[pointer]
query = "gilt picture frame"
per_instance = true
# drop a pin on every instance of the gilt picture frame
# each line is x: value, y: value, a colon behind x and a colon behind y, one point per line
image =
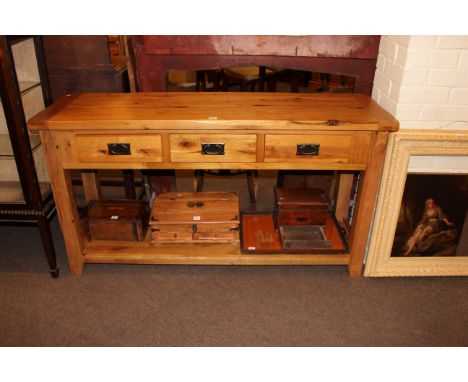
x: 405, y: 147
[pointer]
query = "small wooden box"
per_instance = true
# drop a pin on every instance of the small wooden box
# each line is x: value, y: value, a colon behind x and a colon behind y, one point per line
x: 118, y: 219
x: 195, y: 217
x: 301, y: 206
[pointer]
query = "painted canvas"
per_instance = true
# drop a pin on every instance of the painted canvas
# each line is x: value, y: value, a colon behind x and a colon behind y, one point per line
x: 433, y: 217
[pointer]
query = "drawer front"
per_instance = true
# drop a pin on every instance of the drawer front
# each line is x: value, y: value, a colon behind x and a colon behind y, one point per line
x: 227, y: 148
x: 331, y: 148
x: 172, y: 233
x: 116, y: 230
x: 217, y: 233
x: 291, y: 217
x: 121, y: 148
x: 195, y: 233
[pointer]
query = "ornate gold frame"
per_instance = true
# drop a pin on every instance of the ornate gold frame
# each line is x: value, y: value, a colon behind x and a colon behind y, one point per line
x: 403, y: 145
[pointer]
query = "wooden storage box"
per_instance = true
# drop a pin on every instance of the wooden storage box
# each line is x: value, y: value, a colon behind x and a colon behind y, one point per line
x: 301, y: 206
x: 118, y: 219
x: 195, y: 217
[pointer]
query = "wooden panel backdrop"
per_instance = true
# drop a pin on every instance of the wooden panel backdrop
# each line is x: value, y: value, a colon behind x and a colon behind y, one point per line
x: 153, y: 56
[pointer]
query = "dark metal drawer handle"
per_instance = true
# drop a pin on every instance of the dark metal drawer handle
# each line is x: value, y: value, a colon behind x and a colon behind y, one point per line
x: 119, y: 148
x: 308, y: 149
x: 212, y: 148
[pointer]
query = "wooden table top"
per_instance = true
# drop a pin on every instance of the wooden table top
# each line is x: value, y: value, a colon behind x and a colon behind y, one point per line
x: 220, y: 110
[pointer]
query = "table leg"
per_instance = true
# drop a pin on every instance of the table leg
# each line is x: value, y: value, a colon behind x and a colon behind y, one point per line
x: 367, y: 196
x: 64, y: 197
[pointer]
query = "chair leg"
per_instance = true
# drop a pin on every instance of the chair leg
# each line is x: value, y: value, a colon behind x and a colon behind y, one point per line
x: 271, y: 85
x: 217, y: 82
x: 280, y: 178
x: 200, y: 81
x: 261, y: 78
x: 252, y: 187
x: 129, y: 182
x: 48, y: 244
x: 294, y: 81
x: 325, y: 78
x: 198, y: 178
x: 243, y: 86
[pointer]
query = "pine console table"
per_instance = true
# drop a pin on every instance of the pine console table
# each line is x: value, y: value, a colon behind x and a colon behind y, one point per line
x: 166, y: 131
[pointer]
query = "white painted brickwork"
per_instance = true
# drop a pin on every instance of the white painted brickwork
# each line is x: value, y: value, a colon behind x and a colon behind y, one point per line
x: 423, y: 82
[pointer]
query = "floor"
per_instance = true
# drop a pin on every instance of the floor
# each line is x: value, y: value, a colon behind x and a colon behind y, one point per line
x: 130, y: 305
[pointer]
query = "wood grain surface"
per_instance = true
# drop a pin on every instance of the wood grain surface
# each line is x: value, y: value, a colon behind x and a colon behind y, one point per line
x: 127, y: 111
x: 195, y: 208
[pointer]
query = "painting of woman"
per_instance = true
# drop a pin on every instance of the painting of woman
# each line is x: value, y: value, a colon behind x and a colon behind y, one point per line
x: 433, y: 221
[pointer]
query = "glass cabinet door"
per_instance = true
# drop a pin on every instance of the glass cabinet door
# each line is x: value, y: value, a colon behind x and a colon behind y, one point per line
x: 32, y: 99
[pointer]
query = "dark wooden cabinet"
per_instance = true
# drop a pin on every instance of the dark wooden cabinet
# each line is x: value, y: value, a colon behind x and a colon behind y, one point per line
x: 25, y: 193
x: 84, y: 64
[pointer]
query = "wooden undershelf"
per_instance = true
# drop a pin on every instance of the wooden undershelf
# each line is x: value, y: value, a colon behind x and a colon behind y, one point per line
x: 202, y: 254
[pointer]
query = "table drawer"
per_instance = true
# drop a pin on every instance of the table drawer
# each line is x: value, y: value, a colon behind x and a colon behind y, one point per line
x: 213, y: 148
x: 121, y: 148
x: 331, y: 148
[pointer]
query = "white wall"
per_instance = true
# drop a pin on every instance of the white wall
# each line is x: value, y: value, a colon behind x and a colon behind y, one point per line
x: 423, y: 82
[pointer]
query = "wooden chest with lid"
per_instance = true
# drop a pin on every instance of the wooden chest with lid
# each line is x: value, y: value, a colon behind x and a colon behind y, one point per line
x: 118, y: 219
x: 301, y: 206
x: 195, y: 217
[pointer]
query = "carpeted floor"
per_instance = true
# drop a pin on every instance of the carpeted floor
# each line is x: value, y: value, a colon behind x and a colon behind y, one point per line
x: 129, y: 305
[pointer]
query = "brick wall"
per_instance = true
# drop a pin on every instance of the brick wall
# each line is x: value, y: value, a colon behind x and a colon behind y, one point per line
x: 423, y: 82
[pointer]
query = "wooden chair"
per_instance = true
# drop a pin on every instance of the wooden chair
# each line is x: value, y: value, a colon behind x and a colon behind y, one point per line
x: 246, y: 77
x: 194, y: 80
x: 295, y: 78
x: 181, y: 80
x: 338, y: 83
x: 252, y: 184
x: 208, y: 80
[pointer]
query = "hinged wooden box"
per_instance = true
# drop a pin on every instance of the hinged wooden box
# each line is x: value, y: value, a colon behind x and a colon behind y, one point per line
x: 195, y: 217
x: 301, y: 206
x: 118, y: 219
